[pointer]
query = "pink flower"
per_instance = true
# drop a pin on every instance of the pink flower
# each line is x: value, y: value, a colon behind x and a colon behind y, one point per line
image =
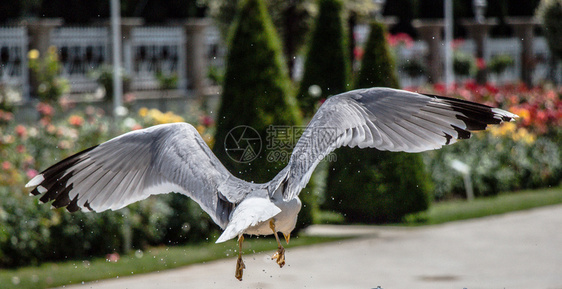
x: 113, y: 257
x: 21, y: 131
x: 31, y: 173
x: 457, y: 43
x: 6, y: 165
x: 45, y: 109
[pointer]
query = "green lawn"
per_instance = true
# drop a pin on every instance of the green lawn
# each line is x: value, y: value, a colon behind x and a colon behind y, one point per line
x: 461, y: 210
x: 162, y: 258
x: 154, y: 259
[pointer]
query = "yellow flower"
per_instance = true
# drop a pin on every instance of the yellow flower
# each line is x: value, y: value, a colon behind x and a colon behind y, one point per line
x: 507, y: 128
x: 143, y: 112
x: 200, y: 129
x: 33, y: 54
x: 523, y: 113
x: 160, y: 118
x: 523, y: 134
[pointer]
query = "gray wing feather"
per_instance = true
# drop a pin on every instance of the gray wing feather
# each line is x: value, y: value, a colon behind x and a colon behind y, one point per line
x: 160, y: 159
x: 386, y: 119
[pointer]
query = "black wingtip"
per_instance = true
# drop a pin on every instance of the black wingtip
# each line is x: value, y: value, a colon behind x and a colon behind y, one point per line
x: 476, y: 116
x: 55, y: 186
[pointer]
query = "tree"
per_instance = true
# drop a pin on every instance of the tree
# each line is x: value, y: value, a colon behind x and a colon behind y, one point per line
x: 326, y: 65
x: 375, y: 186
x: 256, y: 95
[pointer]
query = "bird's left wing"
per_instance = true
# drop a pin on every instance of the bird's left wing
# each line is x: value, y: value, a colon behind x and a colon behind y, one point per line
x: 131, y: 167
x: 386, y: 119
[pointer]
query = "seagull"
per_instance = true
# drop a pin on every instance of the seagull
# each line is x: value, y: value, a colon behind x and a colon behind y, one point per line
x: 174, y: 158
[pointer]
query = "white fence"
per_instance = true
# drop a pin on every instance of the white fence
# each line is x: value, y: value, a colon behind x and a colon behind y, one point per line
x: 81, y: 51
x: 156, y: 50
x: 13, y: 57
x: 152, y: 50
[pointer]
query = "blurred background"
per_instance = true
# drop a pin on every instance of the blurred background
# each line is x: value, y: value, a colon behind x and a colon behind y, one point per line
x: 218, y: 64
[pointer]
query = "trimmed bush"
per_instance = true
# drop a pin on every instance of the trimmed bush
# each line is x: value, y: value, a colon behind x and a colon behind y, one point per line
x: 326, y: 64
x: 256, y: 93
x: 372, y: 186
x: 377, y: 67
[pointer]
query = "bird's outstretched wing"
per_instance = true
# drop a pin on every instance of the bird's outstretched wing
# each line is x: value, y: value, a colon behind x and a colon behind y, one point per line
x: 386, y: 119
x: 131, y: 167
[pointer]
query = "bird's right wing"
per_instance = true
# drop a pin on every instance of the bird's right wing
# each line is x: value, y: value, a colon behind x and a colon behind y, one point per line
x: 131, y: 167
x: 386, y: 119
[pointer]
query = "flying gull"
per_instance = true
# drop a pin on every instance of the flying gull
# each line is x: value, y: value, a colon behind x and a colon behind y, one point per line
x: 174, y: 158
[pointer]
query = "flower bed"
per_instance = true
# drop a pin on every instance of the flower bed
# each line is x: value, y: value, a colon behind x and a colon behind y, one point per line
x: 30, y: 232
x: 513, y: 156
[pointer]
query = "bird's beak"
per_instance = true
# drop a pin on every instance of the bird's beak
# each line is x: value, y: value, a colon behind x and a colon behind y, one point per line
x: 287, y: 237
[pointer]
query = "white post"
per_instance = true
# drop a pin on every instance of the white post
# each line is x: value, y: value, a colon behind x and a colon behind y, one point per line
x: 449, y: 77
x: 464, y: 169
x: 116, y: 50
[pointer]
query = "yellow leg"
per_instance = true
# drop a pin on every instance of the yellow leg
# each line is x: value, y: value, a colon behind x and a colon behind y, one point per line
x: 240, y: 266
x: 280, y: 254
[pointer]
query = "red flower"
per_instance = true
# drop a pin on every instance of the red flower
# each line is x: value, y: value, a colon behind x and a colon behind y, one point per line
x: 358, y: 53
x: 76, y: 120
x: 45, y: 109
x: 207, y: 121
x: 439, y: 87
x: 480, y: 63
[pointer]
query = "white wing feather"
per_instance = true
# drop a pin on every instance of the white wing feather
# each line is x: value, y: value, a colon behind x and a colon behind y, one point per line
x: 131, y: 167
x: 386, y: 119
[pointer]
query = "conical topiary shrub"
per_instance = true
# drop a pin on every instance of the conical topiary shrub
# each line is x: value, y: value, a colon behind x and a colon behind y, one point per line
x: 372, y: 186
x: 256, y: 95
x: 327, y: 64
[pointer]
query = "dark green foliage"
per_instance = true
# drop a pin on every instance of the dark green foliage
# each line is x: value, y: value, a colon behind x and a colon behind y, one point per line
x: 377, y: 67
x: 372, y: 186
x: 327, y: 63
x: 377, y: 187
x: 256, y: 91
